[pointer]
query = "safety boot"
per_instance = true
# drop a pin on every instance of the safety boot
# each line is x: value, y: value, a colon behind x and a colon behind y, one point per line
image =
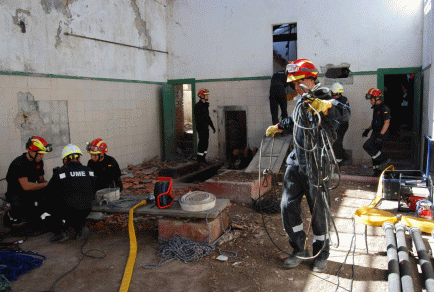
x: 294, y: 259
x: 60, y: 237
x: 319, y: 265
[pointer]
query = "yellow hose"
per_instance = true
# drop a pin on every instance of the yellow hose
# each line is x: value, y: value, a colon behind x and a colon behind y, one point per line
x: 126, y: 280
x: 367, y: 215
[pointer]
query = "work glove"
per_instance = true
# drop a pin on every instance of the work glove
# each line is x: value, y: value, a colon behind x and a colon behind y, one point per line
x: 379, y: 139
x: 366, y: 132
x: 273, y: 130
x: 320, y: 105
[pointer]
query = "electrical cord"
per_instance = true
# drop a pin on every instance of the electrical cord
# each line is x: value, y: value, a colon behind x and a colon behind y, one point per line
x: 321, y: 162
x: 83, y: 255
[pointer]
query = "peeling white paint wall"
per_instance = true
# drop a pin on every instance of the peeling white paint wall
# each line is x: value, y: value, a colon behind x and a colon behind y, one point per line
x: 428, y: 73
x: 44, y: 47
x: 223, y: 39
x: 233, y: 39
x: 125, y: 114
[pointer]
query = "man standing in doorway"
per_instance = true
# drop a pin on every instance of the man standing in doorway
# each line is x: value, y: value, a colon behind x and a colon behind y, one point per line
x: 379, y: 126
x: 202, y: 121
x: 278, y: 96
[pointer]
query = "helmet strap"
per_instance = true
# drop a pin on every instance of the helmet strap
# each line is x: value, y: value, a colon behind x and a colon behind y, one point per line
x: 32, y: 158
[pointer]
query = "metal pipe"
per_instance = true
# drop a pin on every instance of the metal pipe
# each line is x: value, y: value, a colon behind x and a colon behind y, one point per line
x: 392, y: 256
x: 114, y: 43
x: 424, y: 259
x: 404, y: 263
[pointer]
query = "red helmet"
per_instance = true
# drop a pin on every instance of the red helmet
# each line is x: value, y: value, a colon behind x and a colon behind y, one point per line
x: 300, y: 69
x: 202, y: 92
x: 97, y: 146
x: 39, y: 145
x: 374, y: 93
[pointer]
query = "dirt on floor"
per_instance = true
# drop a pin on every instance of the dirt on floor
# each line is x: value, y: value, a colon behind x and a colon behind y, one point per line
x: 253, y: 251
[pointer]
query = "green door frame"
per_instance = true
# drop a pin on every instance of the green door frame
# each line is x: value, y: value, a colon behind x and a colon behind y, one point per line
x: 169, y: 114
x: 417, y: 117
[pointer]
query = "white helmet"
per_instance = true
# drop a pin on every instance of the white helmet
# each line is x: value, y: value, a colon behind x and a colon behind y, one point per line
x: 70, y: 149
x: 337, y: 88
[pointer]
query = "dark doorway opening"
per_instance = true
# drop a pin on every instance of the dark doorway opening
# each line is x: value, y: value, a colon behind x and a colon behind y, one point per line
x: 399, y: 97
x: 183, y: 120
x: 236, y: 131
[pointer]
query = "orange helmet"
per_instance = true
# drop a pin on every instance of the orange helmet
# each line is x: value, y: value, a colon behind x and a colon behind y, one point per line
x: 39, y: 145
x: 300, y: 69
x: 97, y: 146
x: 374, y: 93
x: 202, y: 92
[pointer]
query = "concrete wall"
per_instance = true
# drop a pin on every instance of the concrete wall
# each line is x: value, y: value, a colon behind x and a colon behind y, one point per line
x: 218, y: 40
x: 252, y: 96
x: 224, y: 39
x: 428, y: 72
x: 44, y: 47
x: 125, y: 114
x: 119, y: 98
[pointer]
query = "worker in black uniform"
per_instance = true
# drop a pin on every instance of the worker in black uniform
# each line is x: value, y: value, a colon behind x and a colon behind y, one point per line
x: 380, y: 126
x: 72, y: 191
x: 338, y: 147
x: 106, y: 168
x: 278, y: 96
x: 26, y: 185
x: 202, y: 121
x: 307, y: 171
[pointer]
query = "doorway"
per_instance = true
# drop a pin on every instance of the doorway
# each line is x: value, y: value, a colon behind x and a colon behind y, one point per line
x: 179, y: 135
x: 184, y: 139
x: 401, y: 91
x: 236, y: 131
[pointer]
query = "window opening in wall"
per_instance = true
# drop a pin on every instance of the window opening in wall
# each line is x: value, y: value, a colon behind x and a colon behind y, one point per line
x: 184, y: 120
x: 284, y: 45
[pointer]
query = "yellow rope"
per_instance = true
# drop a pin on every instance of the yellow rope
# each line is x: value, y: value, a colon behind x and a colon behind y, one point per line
x: 369, y: 216
x: 126, y: 280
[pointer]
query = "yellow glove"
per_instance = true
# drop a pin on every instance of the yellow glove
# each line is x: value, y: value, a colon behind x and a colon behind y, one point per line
x: 320, y: 105
x: 273, y: 130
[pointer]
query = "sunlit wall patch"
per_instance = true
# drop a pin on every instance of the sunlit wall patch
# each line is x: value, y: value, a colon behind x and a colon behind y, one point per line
x: 427, y: 6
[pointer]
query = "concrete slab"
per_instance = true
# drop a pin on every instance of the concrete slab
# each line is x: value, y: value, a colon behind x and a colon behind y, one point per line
x: 273, y: 154
x: 240, y: 192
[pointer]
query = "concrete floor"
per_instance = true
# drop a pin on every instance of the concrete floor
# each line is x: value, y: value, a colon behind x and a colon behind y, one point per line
x: 257, y: 267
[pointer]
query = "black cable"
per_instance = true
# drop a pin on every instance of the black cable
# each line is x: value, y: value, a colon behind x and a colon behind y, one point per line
x: 314, y: 133
x: 353, y: 240
x: 83, y: 255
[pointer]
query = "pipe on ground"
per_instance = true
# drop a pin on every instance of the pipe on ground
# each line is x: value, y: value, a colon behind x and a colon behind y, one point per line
x: 404, y: 263
x: 424, y: 259
x: 393, y: 277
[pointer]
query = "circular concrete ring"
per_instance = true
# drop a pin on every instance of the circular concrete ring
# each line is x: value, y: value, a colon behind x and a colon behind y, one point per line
x: 197, y: 201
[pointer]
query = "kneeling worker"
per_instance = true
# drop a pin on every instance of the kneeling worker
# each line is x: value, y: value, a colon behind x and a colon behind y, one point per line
x: 26, y: 185
x: 106, y: 168
x: 72, y: 190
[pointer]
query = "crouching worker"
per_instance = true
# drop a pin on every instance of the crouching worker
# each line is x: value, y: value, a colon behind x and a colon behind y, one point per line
x: 314, y: 122
x: 72, y: 191
x: 106, y: 168
x: 26, y: 185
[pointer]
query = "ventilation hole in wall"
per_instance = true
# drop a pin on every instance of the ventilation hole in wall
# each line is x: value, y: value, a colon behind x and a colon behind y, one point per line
x: 22, y: 26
